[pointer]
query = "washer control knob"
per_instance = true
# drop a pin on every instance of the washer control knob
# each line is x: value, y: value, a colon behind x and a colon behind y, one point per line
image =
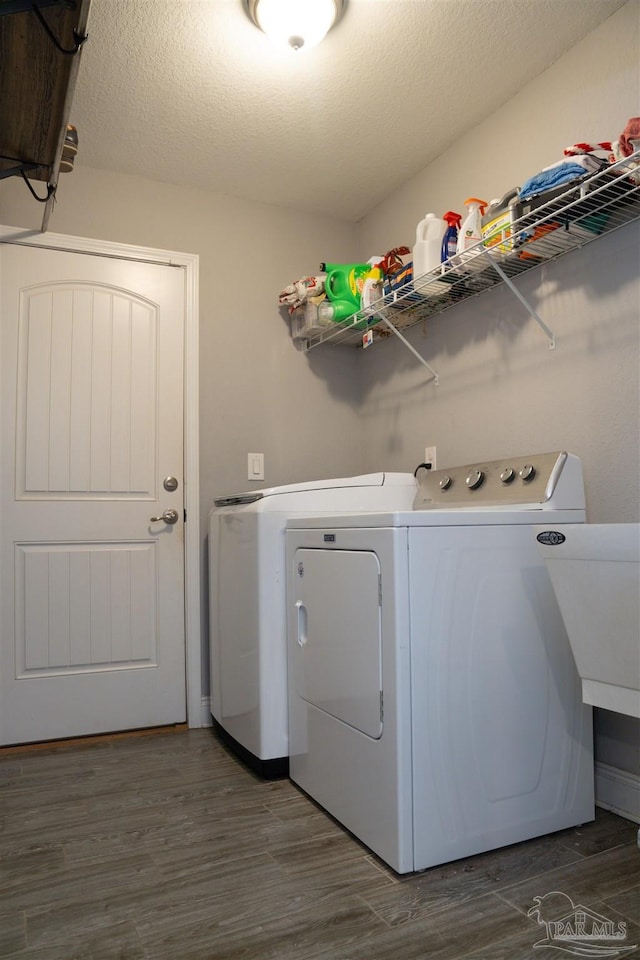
x: 527, y: 473
x: 475, y: 479
x: 508, y: 475
x: 445, y: 483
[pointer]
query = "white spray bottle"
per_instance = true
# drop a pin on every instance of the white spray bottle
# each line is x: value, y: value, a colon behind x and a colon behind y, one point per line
x: 470, y: 232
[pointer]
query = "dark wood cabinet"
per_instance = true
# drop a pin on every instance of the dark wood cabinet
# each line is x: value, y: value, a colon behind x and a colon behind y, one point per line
x: 37, y: 82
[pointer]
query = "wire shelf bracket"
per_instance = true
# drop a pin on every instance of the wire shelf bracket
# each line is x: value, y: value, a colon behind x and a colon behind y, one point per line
x: 523, y: 300
x: 403, y: 339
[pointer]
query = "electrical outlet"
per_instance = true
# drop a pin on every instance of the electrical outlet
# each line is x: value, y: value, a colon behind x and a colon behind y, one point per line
x: 430, y: 456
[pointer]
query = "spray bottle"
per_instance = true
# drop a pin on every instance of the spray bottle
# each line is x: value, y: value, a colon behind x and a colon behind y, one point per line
x: 471, y: 230
x: 450, y: 239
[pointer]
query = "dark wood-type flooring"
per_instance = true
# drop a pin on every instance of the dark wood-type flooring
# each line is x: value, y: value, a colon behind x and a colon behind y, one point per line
x: 164, y: 847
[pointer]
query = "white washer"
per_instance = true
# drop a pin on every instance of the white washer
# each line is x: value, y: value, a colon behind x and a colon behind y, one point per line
x: 434, y: 705
x: 248, y: 650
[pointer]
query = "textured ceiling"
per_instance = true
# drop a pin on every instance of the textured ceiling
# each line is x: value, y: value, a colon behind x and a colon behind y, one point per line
x: 190, y: 92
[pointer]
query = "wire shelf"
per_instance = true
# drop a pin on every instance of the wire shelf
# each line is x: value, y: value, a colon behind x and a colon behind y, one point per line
x: 595, y: 205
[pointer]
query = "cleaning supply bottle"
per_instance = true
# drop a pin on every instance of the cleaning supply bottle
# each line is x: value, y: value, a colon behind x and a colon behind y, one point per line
x: 471, y: 230
x: 343, y: 283
x: 426, y: 253
x: 450, y: 239
x: 498, y: 219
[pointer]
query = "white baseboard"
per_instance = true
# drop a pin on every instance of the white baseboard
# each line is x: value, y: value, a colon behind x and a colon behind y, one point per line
x: 618, y: 791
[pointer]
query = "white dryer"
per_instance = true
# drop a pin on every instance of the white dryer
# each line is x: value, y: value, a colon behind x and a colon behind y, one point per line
x: 248, y: 649
x: 434, y: 705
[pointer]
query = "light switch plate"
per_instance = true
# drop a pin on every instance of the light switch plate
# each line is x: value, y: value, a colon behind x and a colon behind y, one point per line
x: 255, y: 466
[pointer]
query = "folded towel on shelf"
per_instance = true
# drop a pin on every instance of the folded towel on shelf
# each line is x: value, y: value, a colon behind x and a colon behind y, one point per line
x: 587, y: 161
x: 630, y: 137
x: 554, y: 176
x: 627, y: 143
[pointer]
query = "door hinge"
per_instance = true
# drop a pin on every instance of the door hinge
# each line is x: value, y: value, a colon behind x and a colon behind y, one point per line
x: 185, y: 516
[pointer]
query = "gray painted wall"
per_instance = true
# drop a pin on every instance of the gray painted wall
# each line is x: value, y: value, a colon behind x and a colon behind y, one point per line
x: 502, y: 391
x: 339, y: 411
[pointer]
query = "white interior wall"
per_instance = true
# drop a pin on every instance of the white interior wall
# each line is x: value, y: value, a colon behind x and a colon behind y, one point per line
x: 502, y: 391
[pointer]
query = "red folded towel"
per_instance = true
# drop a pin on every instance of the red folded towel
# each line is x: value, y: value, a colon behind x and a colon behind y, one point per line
x: 630, y: 132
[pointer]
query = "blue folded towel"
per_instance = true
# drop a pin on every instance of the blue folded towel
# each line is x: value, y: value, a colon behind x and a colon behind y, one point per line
x: 553, y: 177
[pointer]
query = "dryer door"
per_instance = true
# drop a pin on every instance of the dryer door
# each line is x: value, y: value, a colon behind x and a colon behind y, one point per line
x: 337, y: 653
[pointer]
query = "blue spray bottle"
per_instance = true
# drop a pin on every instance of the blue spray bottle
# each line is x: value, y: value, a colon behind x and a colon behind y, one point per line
x: 450, y: 239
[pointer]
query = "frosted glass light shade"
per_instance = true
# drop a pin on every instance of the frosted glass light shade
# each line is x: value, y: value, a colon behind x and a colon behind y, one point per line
x: 295, y: 23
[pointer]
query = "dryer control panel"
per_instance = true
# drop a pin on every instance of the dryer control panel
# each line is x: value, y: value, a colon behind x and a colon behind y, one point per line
x: 550, y: 479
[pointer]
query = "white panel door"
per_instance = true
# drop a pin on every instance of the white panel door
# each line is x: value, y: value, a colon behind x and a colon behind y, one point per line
x: 92, y: 423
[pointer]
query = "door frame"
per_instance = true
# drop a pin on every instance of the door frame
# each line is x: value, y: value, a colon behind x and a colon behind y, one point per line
x: 189, y: 262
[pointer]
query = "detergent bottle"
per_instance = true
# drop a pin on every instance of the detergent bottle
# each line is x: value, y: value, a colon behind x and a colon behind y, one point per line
x: 426, y: 253
x: 344, y: 285
x: 471, y: 229
x: 343, y: 282
x: 498, y: 220
x: 450, y: 239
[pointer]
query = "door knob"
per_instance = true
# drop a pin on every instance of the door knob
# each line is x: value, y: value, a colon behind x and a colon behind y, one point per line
x: 169, y: 516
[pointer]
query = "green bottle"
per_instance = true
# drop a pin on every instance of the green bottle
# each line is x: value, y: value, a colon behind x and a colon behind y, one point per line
x: 344, y: 283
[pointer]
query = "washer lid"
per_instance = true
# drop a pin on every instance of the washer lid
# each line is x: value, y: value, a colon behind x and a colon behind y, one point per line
x: 456, y: 517
x: 363, y: 480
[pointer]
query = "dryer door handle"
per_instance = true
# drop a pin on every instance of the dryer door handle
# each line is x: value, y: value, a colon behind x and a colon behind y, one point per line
x: 301, y: 623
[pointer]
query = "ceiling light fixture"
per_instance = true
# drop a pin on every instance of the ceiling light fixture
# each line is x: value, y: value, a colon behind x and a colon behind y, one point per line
x: 295, y: 23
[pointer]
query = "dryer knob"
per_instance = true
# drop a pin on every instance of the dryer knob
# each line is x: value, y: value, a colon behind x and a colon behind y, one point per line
x: 475, y: 479
x: 527, y: 473
x: 445, y: 483
x: 508, y: 475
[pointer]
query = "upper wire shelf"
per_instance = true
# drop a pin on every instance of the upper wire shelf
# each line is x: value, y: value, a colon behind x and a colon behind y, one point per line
x: 594, y: 206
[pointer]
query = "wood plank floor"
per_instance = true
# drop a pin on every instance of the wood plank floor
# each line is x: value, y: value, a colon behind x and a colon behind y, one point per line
x: 164, y: 847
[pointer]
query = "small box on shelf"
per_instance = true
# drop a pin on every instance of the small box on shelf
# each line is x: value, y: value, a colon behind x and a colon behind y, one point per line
x: 311, y: 319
